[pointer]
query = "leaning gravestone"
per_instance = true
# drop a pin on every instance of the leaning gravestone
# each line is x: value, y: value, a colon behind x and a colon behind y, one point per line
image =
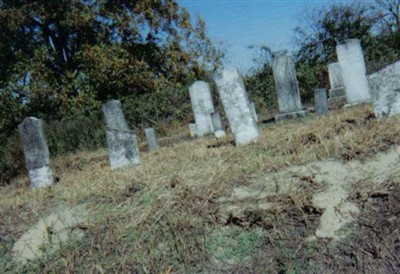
x: 151, y: 139
x: 122, y: 142
x: 237, y: 106
x: 36, y: 152
x: 337, y: 93
x: 321, y: 102
x: 287, y: 88
x: 202, y: 105
x: 385, y: 90
x: 352, y: 63
x: 219, y: 131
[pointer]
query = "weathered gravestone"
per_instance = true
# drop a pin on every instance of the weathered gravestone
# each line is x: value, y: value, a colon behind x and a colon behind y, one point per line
x: 202, y: 105
x: 36, y: 152
x: 287, y: 88
x: 337, y: 93
x: 219, y: 131
x: 385, y: 90
x: 192, y: 130
x: 122, y: 142
x: 237, y: 106
x: 321, y: 102
x: 352, y: 63
x: 151, y: 139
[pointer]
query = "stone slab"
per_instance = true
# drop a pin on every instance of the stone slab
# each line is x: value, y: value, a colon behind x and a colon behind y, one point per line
x: 151, y: 139
x: 122, y: 148
x: 335, y: 76
x: 286, y: 85
x: 236, y: 104
x: 36, y: 152
x: 114, y: 115
x: 202, y: 106
x: 337, y: 92
x: 291, y: 115
x: 352, y: 63
x: 321, y: 102
x: 385, y: 90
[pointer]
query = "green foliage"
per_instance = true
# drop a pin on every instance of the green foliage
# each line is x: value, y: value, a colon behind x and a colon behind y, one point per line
x: 60, y: 60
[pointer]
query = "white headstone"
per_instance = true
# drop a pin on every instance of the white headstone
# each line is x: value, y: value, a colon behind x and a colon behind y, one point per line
x: 237, y: 106
x: 219, y: 131
x: 193, y: 130
x: 122, y: 142
x: 202, y: 105
x: 321, y: 102
x: 36, y: 152
x: 351, y: 61
x: 385, y: 90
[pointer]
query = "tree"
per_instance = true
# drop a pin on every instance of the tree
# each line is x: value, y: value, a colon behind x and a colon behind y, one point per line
x: 53, y: 51
x: 325, y: 27
x: 387, y: 14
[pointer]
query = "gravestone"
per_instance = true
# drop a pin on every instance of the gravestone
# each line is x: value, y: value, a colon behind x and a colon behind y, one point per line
x: 287, y: 88
x: 253, y: 110
x: 192, y: 130
x: 219, y: 131
x: 237, y: 106
x: 352, y: 63
x: 202, y: 106
x: 122, y: 142
x: 385, y: 90
x: 36, y: 152
x: 321, y: 102
x: 151, y: 139
x: 337, y: 93
x: 114, y: 115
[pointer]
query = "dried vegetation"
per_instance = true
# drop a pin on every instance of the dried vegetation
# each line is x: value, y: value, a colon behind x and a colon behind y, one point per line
x: 178, y: 212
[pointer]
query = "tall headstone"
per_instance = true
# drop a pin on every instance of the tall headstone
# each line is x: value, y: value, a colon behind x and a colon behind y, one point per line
x: 287, y: 88
x: 151, y: 139
x: 219, y: 131
x: 321, y: 102
x: 337, y: 93
x: 385, y: 90
x: 202, y: 105
x: 352, y: 63
x: 122, y: 142
x: 237, y: 106
x: 36, y: 152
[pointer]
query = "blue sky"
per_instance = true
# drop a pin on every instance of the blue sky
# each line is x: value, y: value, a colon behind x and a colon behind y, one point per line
x: 236, y: 24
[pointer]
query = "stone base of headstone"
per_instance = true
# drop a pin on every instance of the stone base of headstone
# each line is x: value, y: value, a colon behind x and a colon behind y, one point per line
x: 357, y: 104
x: 337, y: 102
x: 291, y: 115
x: 41, y: 177
x: 337, y: 92
x: 219, y: 133
x: 122, y: 148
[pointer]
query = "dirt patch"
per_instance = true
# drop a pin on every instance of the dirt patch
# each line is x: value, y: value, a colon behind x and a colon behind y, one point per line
x: 330, y: 182
x: 49, y: 234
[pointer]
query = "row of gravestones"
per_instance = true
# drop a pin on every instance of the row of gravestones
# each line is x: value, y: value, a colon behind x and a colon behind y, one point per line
x: 348, y: 82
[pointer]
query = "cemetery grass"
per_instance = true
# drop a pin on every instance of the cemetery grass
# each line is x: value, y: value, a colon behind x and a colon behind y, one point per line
x: 185, y: 209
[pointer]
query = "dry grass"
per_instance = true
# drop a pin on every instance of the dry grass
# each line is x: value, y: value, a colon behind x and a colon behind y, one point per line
x: 164, y: 216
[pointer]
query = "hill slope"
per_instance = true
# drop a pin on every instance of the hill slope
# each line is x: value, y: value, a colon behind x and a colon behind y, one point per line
x: 311, y: 196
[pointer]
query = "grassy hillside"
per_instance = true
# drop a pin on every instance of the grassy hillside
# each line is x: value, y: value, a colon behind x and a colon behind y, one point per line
x: 317, y: 195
